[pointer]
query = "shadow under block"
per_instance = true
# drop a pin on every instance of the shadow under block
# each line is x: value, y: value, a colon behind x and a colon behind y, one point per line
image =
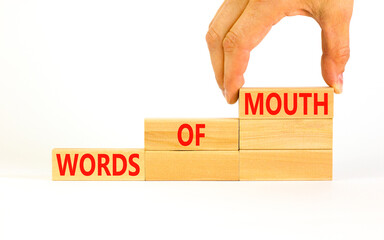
x: 97, y: 164
x: 286, y: 134
x: 256, y: 103
x: 285, y: 164
x: 192, y: 165
x: 191, y: 134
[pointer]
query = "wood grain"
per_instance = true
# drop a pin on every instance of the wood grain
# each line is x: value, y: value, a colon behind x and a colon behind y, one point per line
x: 286, y: 134
x: 192, y: 165
x: 286, y: 165
x: 219, y: 134
x: 318, y: 93
x: 99, y: 164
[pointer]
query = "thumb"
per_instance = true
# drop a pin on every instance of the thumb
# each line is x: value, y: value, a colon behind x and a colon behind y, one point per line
x: 335, y: 45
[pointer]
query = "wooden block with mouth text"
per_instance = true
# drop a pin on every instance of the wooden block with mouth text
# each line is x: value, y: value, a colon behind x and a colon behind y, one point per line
x: 192, y: 165
x: 286, y: 134
x: 286, y: 165
x: 97, y: 164
x: 191, y: 134
x: 259, y: 103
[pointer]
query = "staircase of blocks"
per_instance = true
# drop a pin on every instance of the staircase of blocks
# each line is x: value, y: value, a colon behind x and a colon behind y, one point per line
x: 280, y: 134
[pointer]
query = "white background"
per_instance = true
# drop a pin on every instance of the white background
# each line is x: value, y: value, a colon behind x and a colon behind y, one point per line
x: 82, y: 73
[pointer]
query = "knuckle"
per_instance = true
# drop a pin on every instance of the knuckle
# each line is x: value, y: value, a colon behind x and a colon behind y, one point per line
x: 213, y: 39
x: 342, y: 54
x: 262, y: 1
x: 231, y: 41
x: 339, y: 55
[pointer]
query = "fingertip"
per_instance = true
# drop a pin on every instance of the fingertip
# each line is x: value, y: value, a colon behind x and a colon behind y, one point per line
x: 223, y: 92
x: 336, y: 83
x: 339, y: 84
x: 232, y: 87
x: 231, y: 97
x: 333, y: 73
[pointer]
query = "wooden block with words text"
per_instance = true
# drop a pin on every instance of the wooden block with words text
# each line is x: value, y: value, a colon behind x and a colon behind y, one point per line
x: 191, y: 134
x: 285, y: 164
x: 256, y: 103
x: 192, y: 165
x: 97, y: 164
x: 286, y: 134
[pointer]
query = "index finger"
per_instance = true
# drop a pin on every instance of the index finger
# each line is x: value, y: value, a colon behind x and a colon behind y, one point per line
x: 252, y: 26
x: 227, y: 15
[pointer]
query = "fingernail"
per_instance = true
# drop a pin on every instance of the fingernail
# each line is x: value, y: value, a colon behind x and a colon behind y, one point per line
x: 339, y: 84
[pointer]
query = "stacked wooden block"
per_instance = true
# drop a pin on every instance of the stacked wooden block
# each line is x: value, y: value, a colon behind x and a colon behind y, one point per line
x: 192, y: 149
x: 286, y: 134
x: 281, y: 134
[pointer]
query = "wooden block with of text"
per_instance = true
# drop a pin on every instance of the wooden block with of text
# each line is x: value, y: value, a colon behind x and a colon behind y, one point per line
x: 257, y: 103
x: 191, y: 134
x: 192, y: 165
x: 97, y: 164
x: 286, y: 165
x: 286, y: 134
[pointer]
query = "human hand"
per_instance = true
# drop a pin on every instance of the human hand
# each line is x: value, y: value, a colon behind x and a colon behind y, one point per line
x: 240, y: 25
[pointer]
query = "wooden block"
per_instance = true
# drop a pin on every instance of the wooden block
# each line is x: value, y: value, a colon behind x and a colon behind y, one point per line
x: 286, y: 134
x: 256, y: 103
x: 192, y: 165
x: 191, y: 134
x: 286, y: 165
x: 97, y: 164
